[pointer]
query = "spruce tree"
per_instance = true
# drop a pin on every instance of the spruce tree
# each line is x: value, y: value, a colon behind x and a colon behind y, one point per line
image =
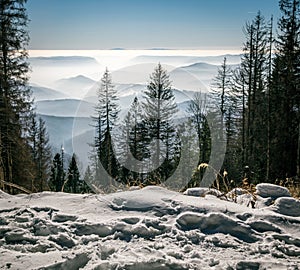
x: 106, y: 116
x: 254, y: 74
x: 15, y: 100
x: 41, y: 153
x: 132, y: 145
x: 220, y: 89
x: 285, y: 95
x: 159, y: 108
x: 57, y: 176
x: 73, y: 182
x: 225, y: 100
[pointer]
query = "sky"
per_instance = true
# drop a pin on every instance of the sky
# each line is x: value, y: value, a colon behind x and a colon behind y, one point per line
x: 142, y: 24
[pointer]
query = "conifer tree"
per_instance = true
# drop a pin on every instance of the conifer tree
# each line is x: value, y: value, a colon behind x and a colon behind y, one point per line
x: 41, y: 153
x: 57, y: 176
x: 73, y: 183
x: 285, y: 95
x: 132, y: 145
x: 159, y: 108
x: 106, y: 116
x: 254, y: 70
x: 15, y: 100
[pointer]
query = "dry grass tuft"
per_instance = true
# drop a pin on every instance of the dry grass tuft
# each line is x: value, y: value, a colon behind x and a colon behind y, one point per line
x: 295, y: 191
x: 293, y: 186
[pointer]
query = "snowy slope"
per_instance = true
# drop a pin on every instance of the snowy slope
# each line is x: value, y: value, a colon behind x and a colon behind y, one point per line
x: 152, y: 228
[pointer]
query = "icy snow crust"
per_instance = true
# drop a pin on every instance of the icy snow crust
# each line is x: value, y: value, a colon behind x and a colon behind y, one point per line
x: 151, y: 228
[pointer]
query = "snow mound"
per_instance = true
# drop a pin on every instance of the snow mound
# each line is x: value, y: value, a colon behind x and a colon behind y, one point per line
x: 216, y: 223
x: 150, y: 228
x: 287, y: 206
x: 266, y: 190
x: 202, y: 192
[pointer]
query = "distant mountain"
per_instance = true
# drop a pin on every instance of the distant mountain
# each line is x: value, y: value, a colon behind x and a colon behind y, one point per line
x: 168, y: 60
x: 75, y: 86
x: 190, y: 80
x: 135, y: 74
x: 62, y: 60
x: 201, y: 66
x: 48, y: 70
x: 186, y: 60
x: 127, y: 92
x: 232, y: 59
x: 65, y: 107
x: 44, y: 93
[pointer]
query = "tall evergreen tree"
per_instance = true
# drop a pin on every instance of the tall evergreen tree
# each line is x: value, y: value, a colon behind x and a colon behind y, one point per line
x: 225, y: 100
x: 106, y: 116
x: 159, y: 108
x: 41, y: 153
x: 73, y: 183
x: 220, y: 90
x: 57, y: 176
x: 132, y: 145
x: 254, y: 74
x: 285, y: 97
x: 15, y: 100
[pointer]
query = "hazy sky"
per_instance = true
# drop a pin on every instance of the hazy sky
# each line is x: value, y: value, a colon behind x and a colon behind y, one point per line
x: 142, y: 24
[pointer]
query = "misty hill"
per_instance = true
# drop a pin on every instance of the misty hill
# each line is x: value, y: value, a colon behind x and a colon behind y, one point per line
x: 201, y: 66
x: 44, y: 93
x: 140, y: 74
x: 76, y: 86
x: 80, y: 79
x: 63, y: 60
x: 65, y: 107
x: 185, y: 60
x: 232, y: 59
x: 136, y: 73
x: 48, y: 70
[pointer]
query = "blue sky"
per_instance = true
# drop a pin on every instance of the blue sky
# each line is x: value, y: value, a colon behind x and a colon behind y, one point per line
x: 142, y: 24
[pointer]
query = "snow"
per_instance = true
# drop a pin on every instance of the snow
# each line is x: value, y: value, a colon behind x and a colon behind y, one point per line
x: 201, y: 192
x: 149, y: 228
x: 274, y: 191
x: 287, y: 206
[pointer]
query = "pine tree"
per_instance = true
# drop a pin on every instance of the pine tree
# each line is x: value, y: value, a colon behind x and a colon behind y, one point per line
x: 132, y: 145
x: 41, y: 153
x: 285, y: 95
x: 73, y: 183
x: 159, y: 108
x: 254, y: 74
x: 15, y: 100
x: 224, y: 98
x: 106, y: 116
x: 220, y: 90
x: 57, y: 176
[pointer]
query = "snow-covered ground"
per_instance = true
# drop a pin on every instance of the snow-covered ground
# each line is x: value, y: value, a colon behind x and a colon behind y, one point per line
x: 151, y: 228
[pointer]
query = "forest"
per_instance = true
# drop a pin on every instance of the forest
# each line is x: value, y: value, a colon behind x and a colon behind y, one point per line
x: 255, y: 107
